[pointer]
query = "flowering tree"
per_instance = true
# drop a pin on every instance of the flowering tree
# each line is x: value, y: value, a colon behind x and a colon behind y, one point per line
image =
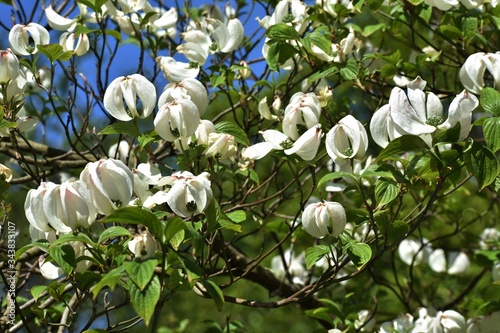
x: 342, y: 156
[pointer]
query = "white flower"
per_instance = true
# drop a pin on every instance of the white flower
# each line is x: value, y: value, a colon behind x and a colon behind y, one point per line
x: 365, y: 321
x: 37, y: 234
x: 15, y: 89
x: 176, y: 71
x: 143, y: 246
x: 419, y: 114
x: 120, y: 98
x: 302, y: 113
x: 264, y: 110
x: 33, y: 207
x: 273, y: 140
x: 78, y: 45
x: 20, y: 35
x: 473, y: 71
x: 51, y: 272
x: 201, y: 136
x: 221, y: 146
x: 324, y: 218
x: 453, y: 262
x: 401, y: 324
x: 347, y: 140
x: 179, y: 118
x: 196, y: 46
x: 329, y: 5
x: 9, y: 66
x: 307, y: 144
x: 345, y: 47
x: 110, y: 183
x: 129, y: 6
x: 293, y: 12
x: 489, y: 238
x: 186, y: 89
x: 166, y: 22
x: 69, y: 206
x: 189, y: 194
x: 414, y: 252
x: 228, y: 36
x: 122, y: 151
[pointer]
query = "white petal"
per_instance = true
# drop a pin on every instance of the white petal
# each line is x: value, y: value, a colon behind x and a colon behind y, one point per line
x: 257, y: 151
x: 50, y: 271
x: 57, y: 21
x: 437, y: 261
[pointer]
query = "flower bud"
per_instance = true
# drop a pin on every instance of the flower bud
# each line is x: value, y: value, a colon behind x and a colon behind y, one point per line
x: 324, y: 218
x: 5, y: 173
x: 120, y: 98
x: 9, y: 66
x: 110, y: 183
x: 264, y: 110
x: 245, y: 72
x: 33, y: 207
x: 143, y: 246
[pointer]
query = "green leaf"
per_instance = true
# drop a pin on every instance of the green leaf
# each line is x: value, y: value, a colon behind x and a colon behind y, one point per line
x: 41, y: 243
x: 319, y: 40
x: 490, y: 101
x: 73, y: 237
x: 394, y: 231
x: 144, y: 301
x: 147, y: 137
x: 386, y: 190
x: 112, y: 232
x: 370, y: 29
x: 491, y: 129
x: 483, y: 164
x: 64, y: 257
x: 128, y: 127
x: 177, y: 239
x: 282, y: 32
x: 215, y: 292
x: 140, y: 272
x: 313, y: 254
x: 230, y: 225
x: 54, y: 52
x: 234, y: 130
x: 336, y: 175
x: 237, y: 216
x: 350, y: 71
x: 487, y: 257
x: 137, y: 215
x: 322, y: 74
x: 111, y: 279
x: 402, y: 145
x: 95, y: 5
x: 36, y: 291
x: 279, y: 53
x: 173, y: 227
x: 469, y: 28
x: 359, y: 253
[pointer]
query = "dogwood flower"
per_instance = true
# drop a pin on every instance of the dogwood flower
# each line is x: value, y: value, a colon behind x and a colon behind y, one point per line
x: 416, y: 113
x: 430, y: 320
x: 33, y: 207
x: 345, y: 47
x: 346, y: 140
x: 201, y: 136
x: 307, y: 144
x: 273, y: 140
x: 69, y: 206
x: 9, y: 66
x: 120, y: 98
x: 365, y: 321
x: 443, y: 5
x: 78, y: 45
x: 453, y: 262
x: 291, y: 264
x: 186, y: 89
x: 324, y: 218
x: 403, y: 323
x: 143, y: 246
x: 302, y: 113
x: 176, y: 71
x: 189, y: 194
x: 489, y: 239
x: 291, y: 12
x: 110, y: 183
x: 414, y: 252
x: 221, y: 146
x: 61, y: 23
x: 15, y: 89
x: 196, y: 46
x: 227, y: 36
x: 164, y: 21
x: 50, y: 271
x: 179, y: 118
x: 20, y: 35
x: 475, y: 66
